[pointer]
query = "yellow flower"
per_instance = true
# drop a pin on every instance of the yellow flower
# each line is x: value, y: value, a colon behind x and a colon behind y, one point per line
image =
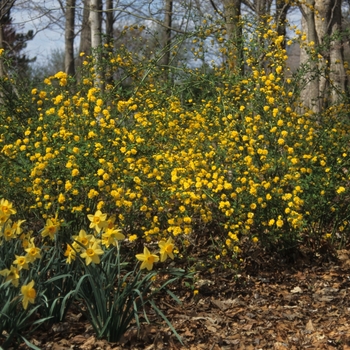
x: 166, y: 249
x: 70, y: 253
x: 92, y: 253
x: 29, y: 294
x: 11, y: 275
x: 61, y: 198
x: 51, y: 228
x: 83, y: 238
x: 147, y: 259
x: 92, y: 193
x: 8, y: 232
x: 5, y: 210
x: 98, y: 221
x: 33, y: 252
x: 279, y: 222
x: 21, y: 262
x: 112, y: 236
x: 132, y: 238
x: 340, y: 190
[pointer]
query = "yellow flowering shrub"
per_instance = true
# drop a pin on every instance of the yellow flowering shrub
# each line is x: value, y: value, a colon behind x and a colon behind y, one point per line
x: 243, y: 156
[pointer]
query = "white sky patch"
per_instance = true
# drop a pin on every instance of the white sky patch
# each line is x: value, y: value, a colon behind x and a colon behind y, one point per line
x: 48, y: 37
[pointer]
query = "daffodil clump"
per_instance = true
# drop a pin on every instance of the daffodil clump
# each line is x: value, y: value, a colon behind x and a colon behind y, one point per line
x: 21, y: 254
x: 42, y: 272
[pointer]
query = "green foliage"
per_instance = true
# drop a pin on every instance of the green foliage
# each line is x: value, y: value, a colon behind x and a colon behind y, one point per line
x: 114, y: 297
x: 14, y: 320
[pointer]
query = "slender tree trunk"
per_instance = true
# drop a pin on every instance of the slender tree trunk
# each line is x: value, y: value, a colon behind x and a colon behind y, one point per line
x: 69, y: 38
x: 95, y: 24
x: 311, y: 93
x: 281, y: 18
x: 96, y: 40
x: 234, y: 33
x: 109, y: 21
x: 85, y: 36
x: 262, y: 7
x: 166, y: 38
x: 108, y: 73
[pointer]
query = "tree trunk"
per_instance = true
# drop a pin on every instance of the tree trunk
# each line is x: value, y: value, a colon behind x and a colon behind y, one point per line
x: 96, y: 41
x: 85, y: 36
x: 322, y: 24
x: 262, y: 7
x: 109, y: 21
x: 281, y: 16
x: 311, y: 93
x: 166, y: 39
x: 95, y: 23
x: 330, y: 11
x: 69, y: 38
x: 234, y: 34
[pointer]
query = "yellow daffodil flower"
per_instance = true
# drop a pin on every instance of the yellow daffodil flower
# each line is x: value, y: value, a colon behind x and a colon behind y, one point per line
x: 166, y: 249
x: 29, y: 294
x: 92, y: 253
x: 147, y: 259
x: 11, y: 274
x: 98, y: 220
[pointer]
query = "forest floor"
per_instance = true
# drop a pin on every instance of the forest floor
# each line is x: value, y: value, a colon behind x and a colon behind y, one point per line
x: 270, y: 304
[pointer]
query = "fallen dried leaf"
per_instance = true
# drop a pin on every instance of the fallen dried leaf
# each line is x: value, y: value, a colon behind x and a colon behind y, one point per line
x: 310, y: 327
x: 296, y: 290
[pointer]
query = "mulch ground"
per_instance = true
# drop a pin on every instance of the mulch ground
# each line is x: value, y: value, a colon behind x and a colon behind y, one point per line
x: 269, y: 305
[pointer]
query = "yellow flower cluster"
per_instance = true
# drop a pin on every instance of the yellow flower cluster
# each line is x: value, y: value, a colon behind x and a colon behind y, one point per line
x: 245, y: 158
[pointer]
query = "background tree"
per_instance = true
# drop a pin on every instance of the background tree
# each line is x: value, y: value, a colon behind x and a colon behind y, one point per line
x: 232, y: 14
x: 13, y: 42
x: 166, y: 37
x: 5, y: 7
x: 69, y: 37
x: 321, y: 21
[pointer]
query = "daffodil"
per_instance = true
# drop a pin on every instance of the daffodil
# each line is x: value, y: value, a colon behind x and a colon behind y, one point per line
x: 83, y: 239
x: 51, y: 228
x: 29, y: 294
x: 98, y: 220
x: 8, y: 232
x: 147, y: 259
x: 11, y: 274
x: 70, y: 253
x: 32, y: 251
x: 6, y: 210
x: 92, y: 253
x: 112, y: 236
x: 16, y: 226
x: 6, y: 207
x: 21, y: 262
x: 166, y: 249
